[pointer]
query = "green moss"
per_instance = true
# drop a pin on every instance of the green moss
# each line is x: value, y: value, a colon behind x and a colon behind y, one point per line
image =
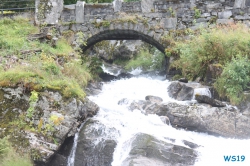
x: 102, y: 24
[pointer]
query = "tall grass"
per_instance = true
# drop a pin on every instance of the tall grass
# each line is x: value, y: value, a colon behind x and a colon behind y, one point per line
x: 8, y: 156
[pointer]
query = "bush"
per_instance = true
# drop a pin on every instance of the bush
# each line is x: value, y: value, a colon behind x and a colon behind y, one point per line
x: 146, y: 61
x: 217, y: 45
x: 234, y: 79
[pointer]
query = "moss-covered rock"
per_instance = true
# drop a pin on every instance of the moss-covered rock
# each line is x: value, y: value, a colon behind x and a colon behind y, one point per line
x: 38, y: 123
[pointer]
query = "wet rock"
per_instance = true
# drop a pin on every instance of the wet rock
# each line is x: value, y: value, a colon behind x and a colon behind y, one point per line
x: 123, y: 101
x: 213, y: 120
x: 94, y: 148
x: 173, y: 89
x: 94, y: 88
x: 209, y: 100
x: 186, y: 93
x: 165, y: 120
x: 125, y: 75
x: 180, y: 91
x: 223, y: 121
x: 107, y: 77
x: 190, y: 144
x: 154, y: 99
x: 184, y: 80
x: 138, y: 105
x: 147, y: 150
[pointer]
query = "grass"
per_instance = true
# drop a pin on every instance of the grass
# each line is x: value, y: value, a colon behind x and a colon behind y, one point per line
x: 42, y: 70
x: 9, y: 157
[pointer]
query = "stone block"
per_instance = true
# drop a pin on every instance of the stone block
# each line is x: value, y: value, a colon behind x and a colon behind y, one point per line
x: 117, y: 5
x: 118, y: 26
x: 168, y: 23
x: 214, y: 13
x: 80, y: 12
x: 225, y: 14
x: 199, y: 25
x: 157, y: 36
x: 64, y: 28
x: 141, y: 27
x: 205, y: 15
x: 225, y: 21
x: 213, y: 6
x: 151, y: 33
x: 240, y: 4
x: 69, y: 7
x: 135, y: 28
x: 239, y: 17
x: 147, y: 6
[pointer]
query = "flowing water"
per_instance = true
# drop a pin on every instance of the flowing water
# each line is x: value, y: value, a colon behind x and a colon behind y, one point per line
x: 122, y: 124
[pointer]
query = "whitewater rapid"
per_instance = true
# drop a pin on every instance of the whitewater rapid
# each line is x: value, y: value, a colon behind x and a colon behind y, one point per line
x: 121, y: 124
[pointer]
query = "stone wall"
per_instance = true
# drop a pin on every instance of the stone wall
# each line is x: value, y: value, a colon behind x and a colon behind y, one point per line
x: 149, y: 18
x: 184, y: 11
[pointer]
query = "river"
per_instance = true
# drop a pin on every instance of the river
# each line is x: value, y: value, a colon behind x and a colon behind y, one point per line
x: 122, y: 125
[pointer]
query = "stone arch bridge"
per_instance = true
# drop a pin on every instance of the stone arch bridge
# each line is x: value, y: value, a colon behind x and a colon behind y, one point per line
x: 147, y: 20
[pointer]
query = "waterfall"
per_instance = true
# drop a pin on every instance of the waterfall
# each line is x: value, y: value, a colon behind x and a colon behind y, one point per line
x: 122, y: 124
x: 71, y: 158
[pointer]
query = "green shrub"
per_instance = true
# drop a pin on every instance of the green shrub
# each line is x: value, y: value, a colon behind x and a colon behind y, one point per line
x: 217, y: 45
x: 146, y: 61
x: 234, y: 79
x: 32, y: 102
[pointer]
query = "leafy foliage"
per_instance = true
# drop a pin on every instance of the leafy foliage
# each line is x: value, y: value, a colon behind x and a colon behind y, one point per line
x: 32, y: 101
x: 217, y: 45
x: 146, y: 60
x: 234, y: 79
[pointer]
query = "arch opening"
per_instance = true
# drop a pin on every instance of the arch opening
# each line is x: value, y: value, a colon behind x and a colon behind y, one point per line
x: 121, y: 35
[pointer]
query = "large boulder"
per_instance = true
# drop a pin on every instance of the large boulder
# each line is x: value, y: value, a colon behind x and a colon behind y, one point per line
x: 155, y: 99
x: 51, y: 121
x: 147, y: 150
x: 223, y: 121
x: 173, y: 89
x: 180, y: 91
x: 186, y: 93
x: 209, y: 100
x: 93, y: 147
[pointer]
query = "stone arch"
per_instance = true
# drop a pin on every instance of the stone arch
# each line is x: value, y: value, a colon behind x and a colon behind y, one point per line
x: 119, y: 34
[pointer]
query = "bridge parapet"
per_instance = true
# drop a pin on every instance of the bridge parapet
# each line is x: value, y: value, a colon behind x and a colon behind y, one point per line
x: 147, y: 20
